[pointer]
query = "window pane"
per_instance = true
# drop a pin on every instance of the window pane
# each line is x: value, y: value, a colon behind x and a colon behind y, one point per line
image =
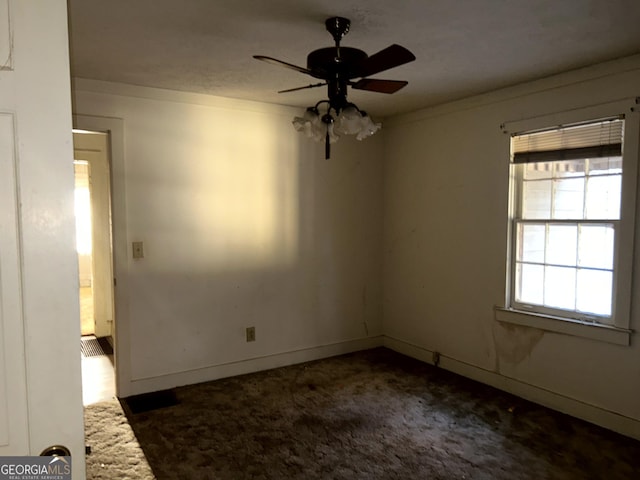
x: 595, y: 246
x: 601, y: 166
x: 531, y: 240
x: 569, y: 168
x: 560, y: 287
x: 529, y: 283
x: 603, y: 197
x: 536, y: 199
x: 568, y: 198
x: 594, y: 291
x: 562, y: 244
x: 535, y: 171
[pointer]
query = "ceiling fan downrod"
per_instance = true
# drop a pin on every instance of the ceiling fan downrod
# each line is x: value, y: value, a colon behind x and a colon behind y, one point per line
x: 338, y: 27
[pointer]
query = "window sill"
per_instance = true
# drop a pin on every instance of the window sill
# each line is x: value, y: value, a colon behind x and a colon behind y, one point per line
x: 593, y: 331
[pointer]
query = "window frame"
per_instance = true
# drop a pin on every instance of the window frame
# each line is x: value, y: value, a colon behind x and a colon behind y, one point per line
x: 517, y: 186
x: 617, y: 330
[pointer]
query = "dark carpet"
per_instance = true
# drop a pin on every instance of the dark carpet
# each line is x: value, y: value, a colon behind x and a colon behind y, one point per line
x: 369, y: 415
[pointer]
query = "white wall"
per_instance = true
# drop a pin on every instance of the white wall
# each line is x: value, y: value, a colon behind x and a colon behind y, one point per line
x: 446, y: 203
x: 244, y: 224
x: 84, y: 260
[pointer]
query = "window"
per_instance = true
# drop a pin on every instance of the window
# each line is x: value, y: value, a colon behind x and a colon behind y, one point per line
x: 569, y: 237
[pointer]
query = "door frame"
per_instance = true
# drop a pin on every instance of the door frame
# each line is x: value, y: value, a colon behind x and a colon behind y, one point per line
x: 93, y: 148
x: 121, y: 335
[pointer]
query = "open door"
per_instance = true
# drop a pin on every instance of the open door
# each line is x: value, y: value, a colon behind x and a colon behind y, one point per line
x: 40, y: 379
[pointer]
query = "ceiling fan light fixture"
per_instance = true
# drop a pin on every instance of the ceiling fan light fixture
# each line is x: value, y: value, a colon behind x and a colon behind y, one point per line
x: 330, y: 126
x: 368, y: 127
x: 349, y: 120
x: 310, y: 124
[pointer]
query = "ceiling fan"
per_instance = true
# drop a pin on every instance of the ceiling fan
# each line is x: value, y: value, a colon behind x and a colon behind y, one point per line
x: 341, y: 67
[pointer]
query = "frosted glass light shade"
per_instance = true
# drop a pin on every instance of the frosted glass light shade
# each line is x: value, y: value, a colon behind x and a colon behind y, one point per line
x: 310, y: 125
x: 349, y: 121
x: 368, y: 128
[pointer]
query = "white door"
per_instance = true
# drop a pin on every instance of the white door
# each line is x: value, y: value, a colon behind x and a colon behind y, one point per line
x: 40, y: 379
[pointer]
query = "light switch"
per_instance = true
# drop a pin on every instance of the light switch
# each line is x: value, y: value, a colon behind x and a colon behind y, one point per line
x: 138, y: 251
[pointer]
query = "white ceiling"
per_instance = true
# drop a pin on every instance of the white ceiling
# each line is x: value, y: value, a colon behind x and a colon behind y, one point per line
x: 463, y: 47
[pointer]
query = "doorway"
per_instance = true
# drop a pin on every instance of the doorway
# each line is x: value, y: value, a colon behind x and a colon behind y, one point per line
x: 95, y: 263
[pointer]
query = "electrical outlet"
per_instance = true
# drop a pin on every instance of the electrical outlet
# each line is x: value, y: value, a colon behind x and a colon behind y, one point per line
x: 251, y: 334
x: 436, y: 358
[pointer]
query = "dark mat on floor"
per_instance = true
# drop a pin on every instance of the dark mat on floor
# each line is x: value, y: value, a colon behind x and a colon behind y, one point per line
x: 95, y: 347
x: 150, y: 401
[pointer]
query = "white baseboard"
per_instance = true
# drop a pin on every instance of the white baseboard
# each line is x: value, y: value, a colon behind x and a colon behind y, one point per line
x: 241, y: 367
x: 604, y: 418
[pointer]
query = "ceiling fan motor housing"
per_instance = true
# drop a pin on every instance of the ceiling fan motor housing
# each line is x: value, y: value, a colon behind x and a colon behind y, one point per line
x: 325, y: 64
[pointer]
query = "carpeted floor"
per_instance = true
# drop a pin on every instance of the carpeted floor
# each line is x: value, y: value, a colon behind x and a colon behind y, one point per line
x: 115, y: 452
x: 369, y: 415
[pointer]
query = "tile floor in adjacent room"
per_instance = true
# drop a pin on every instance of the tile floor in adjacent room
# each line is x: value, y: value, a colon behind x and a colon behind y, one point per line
x: 98, y: 379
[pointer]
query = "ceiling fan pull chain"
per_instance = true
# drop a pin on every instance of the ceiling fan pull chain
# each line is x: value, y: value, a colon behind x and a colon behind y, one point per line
x: 327, y: 145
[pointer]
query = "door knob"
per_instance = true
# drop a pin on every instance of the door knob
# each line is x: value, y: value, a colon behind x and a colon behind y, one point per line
x: 56, y: 451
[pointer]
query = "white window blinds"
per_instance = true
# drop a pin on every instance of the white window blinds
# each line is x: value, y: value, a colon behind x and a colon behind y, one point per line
x: 593, y: 140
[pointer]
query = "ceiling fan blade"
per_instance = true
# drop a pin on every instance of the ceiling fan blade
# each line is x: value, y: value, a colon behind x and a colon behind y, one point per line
x: 390, y: 57
x: 381, y: 86
x: 302, y: 88
x: 275, y: 61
